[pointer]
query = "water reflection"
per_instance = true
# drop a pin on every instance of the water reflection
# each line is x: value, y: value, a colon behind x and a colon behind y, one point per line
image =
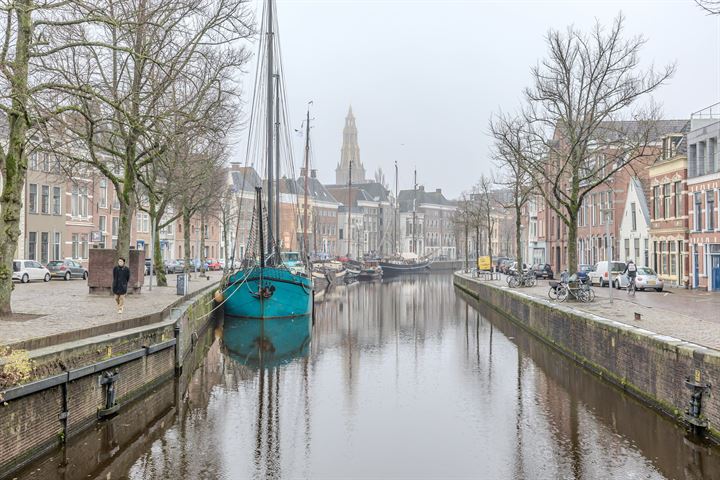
x: 269, y: 342
x: 406, y: 379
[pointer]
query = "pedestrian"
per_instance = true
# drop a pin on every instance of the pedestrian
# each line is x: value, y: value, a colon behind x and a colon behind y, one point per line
x: 121, y: 277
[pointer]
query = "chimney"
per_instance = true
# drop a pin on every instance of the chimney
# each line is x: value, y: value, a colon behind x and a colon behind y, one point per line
x: 313, y: 173
x: 438, y: 190
x: 421, y: 188
x: 302, y: 172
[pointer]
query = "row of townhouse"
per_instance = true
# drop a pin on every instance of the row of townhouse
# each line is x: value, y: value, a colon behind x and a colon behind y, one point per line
x: 65, y: 216
x: 661, y: 212
x: 377, y: 224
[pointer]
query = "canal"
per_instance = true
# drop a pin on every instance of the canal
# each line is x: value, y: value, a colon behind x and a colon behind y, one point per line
x: 405, y: 379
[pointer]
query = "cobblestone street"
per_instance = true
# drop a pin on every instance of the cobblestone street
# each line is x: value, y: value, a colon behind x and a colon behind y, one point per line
x: 67, y: 306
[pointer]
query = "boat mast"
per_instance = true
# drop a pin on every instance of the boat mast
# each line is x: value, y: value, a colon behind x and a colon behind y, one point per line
x: 306, y: 246
x: 396, y: 247
x: 414, y: 236
x: 349, y: 209
x: 269, y: 125
x: 277, y: 162
x: 261, y: 233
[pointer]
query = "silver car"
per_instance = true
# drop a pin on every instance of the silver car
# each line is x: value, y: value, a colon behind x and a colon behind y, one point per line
x: 645, y: 278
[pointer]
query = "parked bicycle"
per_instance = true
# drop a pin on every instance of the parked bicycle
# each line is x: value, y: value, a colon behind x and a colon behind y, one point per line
x: 525, y: 279
x: 579, y: 289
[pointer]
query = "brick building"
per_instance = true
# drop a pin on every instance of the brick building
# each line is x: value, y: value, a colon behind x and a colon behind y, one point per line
x: 703, y: 188
x: 669, y: 212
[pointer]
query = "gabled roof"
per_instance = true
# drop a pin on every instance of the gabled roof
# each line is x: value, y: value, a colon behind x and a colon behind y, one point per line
x: 316, y: 190
x: 245, y: 179
x: 406, y: 197
x: 642, y: 198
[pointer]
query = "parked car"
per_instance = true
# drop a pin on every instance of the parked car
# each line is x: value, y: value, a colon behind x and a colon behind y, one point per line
x: 543, y: 271
x: 67, y: 269
x: 514, y: 267
x: 174, y: 266
x: 498, y: 262
x: 26, y: 270
x: 213, y: 264
x: 583, y: 272
x: 645, y: 278
x: 600, y: 273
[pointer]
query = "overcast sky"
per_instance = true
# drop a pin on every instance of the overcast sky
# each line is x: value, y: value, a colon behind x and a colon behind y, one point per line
x: 423, y: 77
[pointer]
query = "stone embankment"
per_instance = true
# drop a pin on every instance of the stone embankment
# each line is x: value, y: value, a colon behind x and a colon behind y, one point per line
x: 78, y: 382
x: 652, y: 367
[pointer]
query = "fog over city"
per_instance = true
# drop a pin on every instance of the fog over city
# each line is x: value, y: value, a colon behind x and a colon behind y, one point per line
x: 423, y: 78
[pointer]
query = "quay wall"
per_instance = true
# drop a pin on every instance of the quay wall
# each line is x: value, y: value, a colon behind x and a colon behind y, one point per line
x: 649, y: 366
x: 40, y: 416
x: 448, y: 265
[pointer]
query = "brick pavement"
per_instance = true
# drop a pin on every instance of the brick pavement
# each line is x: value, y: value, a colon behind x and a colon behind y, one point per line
x: 686, y: 315
x: 67, y: 306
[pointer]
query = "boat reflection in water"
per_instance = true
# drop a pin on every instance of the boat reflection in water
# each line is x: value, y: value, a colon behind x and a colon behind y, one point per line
x: 267, y: 342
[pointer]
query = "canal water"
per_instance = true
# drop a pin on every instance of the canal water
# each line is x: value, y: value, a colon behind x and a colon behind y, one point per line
x: 405, y: 379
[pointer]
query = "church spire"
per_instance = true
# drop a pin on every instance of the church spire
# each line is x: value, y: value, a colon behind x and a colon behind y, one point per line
x: 350, y: 152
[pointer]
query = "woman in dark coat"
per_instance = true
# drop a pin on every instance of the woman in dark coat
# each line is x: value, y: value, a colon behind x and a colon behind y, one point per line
x: 121, y: 277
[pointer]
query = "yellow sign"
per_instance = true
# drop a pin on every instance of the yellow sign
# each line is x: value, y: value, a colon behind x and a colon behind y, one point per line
x: 484, y: 263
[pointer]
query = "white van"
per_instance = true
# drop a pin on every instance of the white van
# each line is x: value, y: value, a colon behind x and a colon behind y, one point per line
x: 600, y: 274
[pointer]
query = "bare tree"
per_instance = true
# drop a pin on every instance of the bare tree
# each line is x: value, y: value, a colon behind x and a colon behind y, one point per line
x: 484, y: 209
x: 582, y: 117
x: 712, y: 7
x: 512, y: 152
x: 31, y: 32
x: 129, y: 71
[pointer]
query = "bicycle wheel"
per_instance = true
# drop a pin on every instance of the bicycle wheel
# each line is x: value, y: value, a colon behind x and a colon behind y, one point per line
x: 562, y: 294
x: 552, y: 293
x: 591, y: 295
x: 583, y: 295
x: 531, y: 281
x: 513, y: 282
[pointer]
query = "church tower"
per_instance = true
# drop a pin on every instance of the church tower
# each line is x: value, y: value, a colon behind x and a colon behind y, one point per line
x: 350, y: 153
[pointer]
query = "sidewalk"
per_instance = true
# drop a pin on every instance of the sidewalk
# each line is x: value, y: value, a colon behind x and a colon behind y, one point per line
x: 64, y: 307
x: 686, y: 315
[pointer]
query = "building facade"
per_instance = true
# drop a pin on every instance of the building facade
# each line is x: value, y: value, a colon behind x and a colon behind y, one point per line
x: 668, y: 207
x: 703, y: 198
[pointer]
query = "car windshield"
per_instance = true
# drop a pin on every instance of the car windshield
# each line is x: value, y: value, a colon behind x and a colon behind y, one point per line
x: 646, y: 271
x: 55, y: 263
x: 16, y: 266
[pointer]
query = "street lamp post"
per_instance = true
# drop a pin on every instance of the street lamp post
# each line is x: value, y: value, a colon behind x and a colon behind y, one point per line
x: 608, y: 251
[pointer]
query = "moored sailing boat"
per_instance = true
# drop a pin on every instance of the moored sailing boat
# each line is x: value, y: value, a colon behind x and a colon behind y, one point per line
x: 266, y: 289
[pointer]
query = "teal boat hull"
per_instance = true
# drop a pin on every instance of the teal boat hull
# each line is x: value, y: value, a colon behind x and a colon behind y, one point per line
x: 268, y: 315
x: 290, y: 295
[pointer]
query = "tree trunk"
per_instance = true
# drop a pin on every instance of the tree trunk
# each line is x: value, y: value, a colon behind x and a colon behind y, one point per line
x: 186, y: 238
x: 15, y: 161
x: 477, y: 243
x: 127, y: 210
x: 467, y: 247
x: 572, y: 243
x: 158, y: 264
x: 201, y: 253
x: 518, y: 238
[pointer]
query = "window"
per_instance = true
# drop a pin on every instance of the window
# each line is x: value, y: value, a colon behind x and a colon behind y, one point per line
x: 102, y: 224
x: 84, y: 245
x: 56, y: 201
x: 56, y: 246
x: 678, y: 199
x: 672, y: 254
x: 666, y: 198
x: 33, y: 161
x: 663, y: 257
x: 656, y: 202
x: 698, y: 211
x: 637, y: 250
x: 74, y: 201
x: 32, y: 201
x: 102, y: 202
x: 710, y: 209
x: 83, y: 199
x: 115, y: 226
x: 116, y: 201
x: 633, y: 214
x: 32, y: 245
x: 44, y: 247
x: 45, y: 200
x: 75, y: 245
